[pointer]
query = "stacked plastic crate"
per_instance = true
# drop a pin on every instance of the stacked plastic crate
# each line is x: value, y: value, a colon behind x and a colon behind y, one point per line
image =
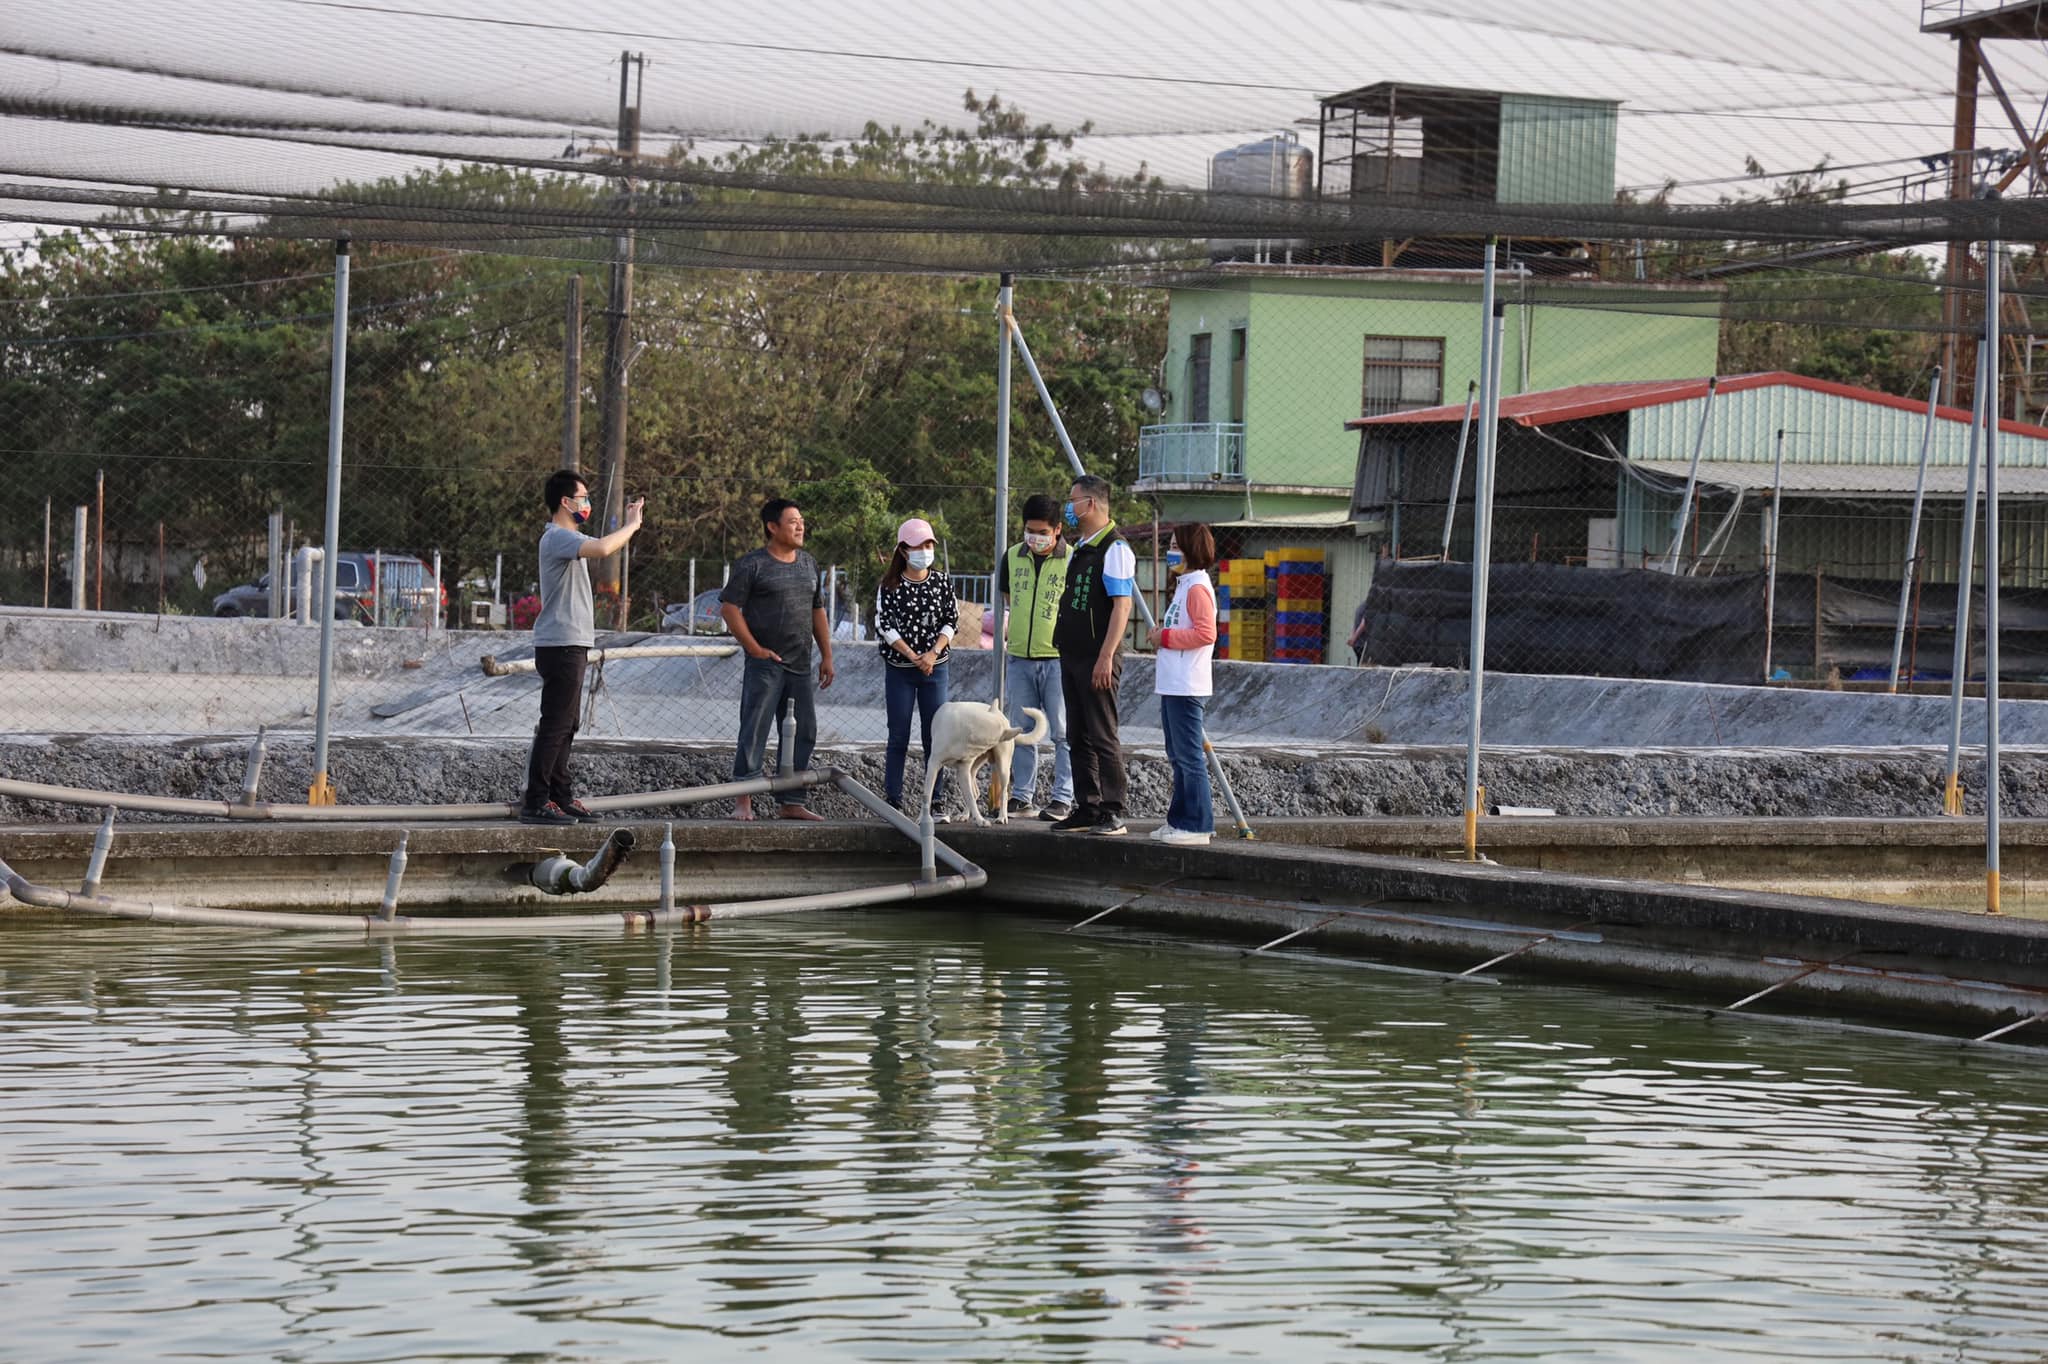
x: 1241, y: 609
x: 1297, y: 590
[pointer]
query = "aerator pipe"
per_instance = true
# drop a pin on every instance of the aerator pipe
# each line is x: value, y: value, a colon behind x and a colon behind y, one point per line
x: 495, y: 667
x: 903, y: 824
x: 150, y: 911
x: 558, y: 874
x: 264, y: 812
x: 1913, y: 532
x: 96, y: 865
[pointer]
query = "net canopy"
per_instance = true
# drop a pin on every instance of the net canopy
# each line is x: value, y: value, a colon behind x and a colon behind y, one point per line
x: 846, y: 136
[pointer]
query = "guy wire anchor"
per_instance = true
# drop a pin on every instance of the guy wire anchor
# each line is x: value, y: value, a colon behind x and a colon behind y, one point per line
x: 1131, y: 900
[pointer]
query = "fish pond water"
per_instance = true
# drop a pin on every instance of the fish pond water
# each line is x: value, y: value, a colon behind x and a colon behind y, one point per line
x: 908, y: 1135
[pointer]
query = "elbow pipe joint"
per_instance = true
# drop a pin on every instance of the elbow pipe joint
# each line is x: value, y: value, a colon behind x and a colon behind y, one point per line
x: 558, y: 874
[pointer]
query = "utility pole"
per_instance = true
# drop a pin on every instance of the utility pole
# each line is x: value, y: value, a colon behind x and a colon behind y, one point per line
x: 572, y: 378
x: 618, y: 317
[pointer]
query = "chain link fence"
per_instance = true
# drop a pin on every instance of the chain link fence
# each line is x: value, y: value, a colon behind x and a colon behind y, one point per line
x: 167, y: 407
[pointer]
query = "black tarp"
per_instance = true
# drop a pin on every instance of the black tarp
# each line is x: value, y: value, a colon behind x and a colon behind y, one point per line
x: 1549, y: 618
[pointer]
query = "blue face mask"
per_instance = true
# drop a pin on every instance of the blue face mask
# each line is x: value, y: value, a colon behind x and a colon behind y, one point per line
x: 1072, y: 520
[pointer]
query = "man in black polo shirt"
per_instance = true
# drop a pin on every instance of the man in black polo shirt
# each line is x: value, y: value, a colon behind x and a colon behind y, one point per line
x: 1094, y: 611
x: 774, y: 609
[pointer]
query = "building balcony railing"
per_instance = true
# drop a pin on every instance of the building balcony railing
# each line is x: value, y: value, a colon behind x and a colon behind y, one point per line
x: 1191, y: 452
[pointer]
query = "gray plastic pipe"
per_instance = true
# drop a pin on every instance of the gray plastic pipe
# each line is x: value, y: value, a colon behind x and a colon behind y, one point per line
x: 559, y: 874
x: 494, y: 667
x: 265, y: 812
x: 150, y: 911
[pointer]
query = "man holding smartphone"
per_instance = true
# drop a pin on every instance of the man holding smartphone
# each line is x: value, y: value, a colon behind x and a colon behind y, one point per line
x: 563, y: 634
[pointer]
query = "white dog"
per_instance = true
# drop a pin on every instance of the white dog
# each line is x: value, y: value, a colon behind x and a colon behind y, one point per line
x: 966, y: 734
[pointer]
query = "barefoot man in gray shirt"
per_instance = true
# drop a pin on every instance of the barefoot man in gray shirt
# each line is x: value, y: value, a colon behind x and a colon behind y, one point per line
x: 773, y: 607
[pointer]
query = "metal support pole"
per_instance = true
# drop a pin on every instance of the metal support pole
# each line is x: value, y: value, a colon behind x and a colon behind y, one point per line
x: 1913, y: 532
x: 690, y: 616
x: 321, y: 792
x: 434, y: 597
x: 618, y: 342
x: 78, y: 559
x: 1004, y: 295
x: 1692, y: 479
x: 1959, y: 666
x: 279, y: 591
x: 1458, y: 471
x: 377, y: 587
x: 1994, y: 265
x: 99, y: 542
x: 1771, y: 563
x: 1482, y: 544
x: 572, y: 377
x: 49, y: 504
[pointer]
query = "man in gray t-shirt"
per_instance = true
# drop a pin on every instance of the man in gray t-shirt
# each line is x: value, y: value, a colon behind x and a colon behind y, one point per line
x: 562, y: 635
x: 773, y: 606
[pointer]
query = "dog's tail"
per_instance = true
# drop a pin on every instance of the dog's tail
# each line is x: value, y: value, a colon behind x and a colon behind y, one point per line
x: 1039, y: 730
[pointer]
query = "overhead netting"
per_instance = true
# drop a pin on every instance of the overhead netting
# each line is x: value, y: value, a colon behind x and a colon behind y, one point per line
x: 822, y: 137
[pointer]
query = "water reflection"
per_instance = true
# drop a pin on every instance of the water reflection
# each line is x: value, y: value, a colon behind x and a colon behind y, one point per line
x: 932, y: 1135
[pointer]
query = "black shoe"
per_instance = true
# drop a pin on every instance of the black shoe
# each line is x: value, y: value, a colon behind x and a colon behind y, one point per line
x: 1109, y: 826
x: 550, y: 813
x: 582, y: 813
x: 1056, y: 811
x: 1074, y: 822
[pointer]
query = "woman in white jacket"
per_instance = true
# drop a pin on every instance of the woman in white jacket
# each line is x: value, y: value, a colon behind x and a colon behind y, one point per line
x: 1186, y: 639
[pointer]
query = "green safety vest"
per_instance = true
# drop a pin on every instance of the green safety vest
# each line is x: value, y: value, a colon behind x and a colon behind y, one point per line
x: 1033, y: 585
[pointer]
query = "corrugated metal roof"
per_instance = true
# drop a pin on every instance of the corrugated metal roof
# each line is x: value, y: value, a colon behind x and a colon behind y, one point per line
x: 1867, y: 480
x: 1595, y: 400
x: 1335, y: 518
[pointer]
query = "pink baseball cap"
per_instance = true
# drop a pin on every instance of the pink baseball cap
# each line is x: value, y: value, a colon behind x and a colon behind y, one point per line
x: 914, y: 532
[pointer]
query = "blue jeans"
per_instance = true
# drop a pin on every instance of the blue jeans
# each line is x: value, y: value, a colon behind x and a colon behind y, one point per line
x: 1192, y: 810
x: 1036, y: 682
x: 905, y: 690
x: 763, y: 687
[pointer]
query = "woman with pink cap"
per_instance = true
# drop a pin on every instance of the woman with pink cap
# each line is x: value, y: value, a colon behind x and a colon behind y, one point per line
x: 916, y: 615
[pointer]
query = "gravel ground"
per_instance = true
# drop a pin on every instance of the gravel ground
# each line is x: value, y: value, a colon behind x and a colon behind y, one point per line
x: 1292, y: 781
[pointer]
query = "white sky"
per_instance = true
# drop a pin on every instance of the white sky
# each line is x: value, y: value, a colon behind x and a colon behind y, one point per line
x: 1703, y: 83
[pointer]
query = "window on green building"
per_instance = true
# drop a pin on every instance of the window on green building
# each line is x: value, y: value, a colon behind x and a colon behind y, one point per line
x: 1402, y: 373
x: 1239, y: 350
x: 1198, y: 376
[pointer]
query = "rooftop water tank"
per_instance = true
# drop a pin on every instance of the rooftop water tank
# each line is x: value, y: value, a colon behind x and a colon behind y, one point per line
x: 1277, y: 166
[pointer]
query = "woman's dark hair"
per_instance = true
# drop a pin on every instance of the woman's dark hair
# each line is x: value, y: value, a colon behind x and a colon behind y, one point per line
x: 898, y: 561
x: 1197, y: 545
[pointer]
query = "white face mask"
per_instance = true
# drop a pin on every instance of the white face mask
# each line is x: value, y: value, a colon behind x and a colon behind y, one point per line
x: 920, y: 558
x: 1037, y: 543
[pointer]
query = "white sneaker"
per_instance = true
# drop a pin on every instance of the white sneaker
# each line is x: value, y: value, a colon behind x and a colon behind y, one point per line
x: 1183, y: 838
x: 1160, y: 832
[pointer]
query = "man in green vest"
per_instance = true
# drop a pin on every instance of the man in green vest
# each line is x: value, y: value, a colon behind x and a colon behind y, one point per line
x: 1031, y: 578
